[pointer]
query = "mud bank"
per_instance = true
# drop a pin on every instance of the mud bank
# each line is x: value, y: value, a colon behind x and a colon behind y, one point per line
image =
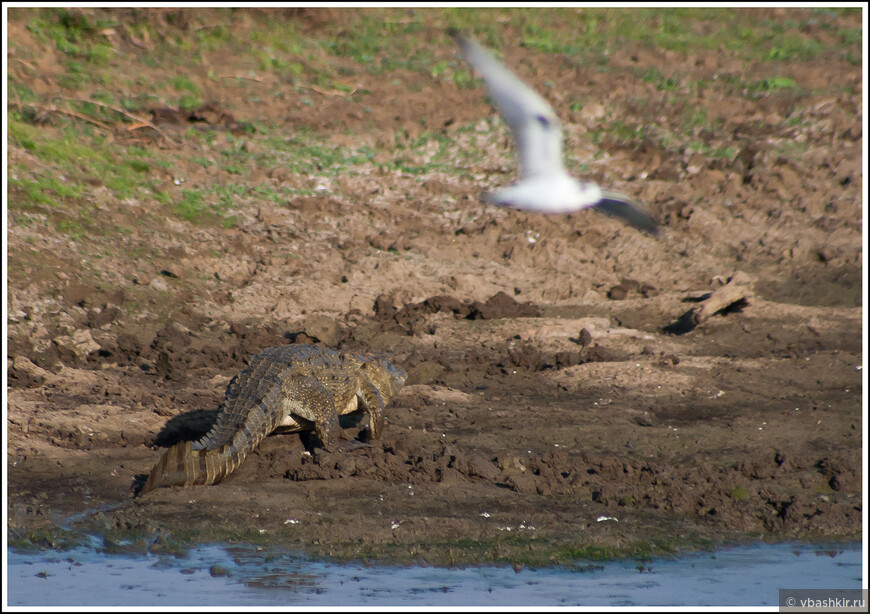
x: 552, y: 410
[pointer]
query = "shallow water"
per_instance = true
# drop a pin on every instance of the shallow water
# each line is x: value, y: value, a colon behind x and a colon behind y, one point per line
x: 233, y: 575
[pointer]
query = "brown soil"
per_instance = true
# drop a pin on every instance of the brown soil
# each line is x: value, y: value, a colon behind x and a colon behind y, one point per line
x: 550, y: 411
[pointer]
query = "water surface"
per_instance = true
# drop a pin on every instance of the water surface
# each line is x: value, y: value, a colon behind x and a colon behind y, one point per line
x: 233, y: 576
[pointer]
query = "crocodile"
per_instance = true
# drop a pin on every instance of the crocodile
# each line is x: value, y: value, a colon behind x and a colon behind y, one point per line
x: 287, y: 388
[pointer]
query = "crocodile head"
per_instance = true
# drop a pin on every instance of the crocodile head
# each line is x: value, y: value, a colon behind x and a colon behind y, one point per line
x: 387, y: 377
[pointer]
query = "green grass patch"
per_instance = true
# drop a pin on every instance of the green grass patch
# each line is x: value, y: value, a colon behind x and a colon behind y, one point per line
x: 184, y: 84
x: 770, y: 84
x: 851, y: 36
x: 212, y: 205
x: 190, y: 207
x: 50, y: 538
x: 675, y: 29
x: 739, y: 493
x: 622, y: 132
x: 790, y: 148
x: 598, y: 552
x: 203, y: 162
x: 214, y: 37
x: 189, y: 102
x: 527, y: 550
x: 80, y: 37
x: 74, y: 33
x: 383, y: 42
x: 47, y: 190
x: 384, y: 39
x: 776, y: 84
x: 304, y: 154
x: 72, y: 163
x: 662, y: 83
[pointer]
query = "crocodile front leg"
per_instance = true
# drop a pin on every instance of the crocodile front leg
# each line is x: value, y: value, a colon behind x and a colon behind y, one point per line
x: 374, y: 404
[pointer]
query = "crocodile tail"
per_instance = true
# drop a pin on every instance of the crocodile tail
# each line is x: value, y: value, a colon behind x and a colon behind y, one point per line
x: 181, y: 465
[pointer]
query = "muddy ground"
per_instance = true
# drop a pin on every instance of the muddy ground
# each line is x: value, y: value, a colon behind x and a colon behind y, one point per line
x: 552, y: 409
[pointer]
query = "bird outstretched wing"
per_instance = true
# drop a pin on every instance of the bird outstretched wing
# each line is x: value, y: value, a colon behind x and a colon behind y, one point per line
x: 536, y: 129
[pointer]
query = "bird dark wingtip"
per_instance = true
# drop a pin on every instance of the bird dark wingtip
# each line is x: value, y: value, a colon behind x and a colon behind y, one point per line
x: 631, y: 211
x: 645, y: 223
x: 464, y: 42
x: 653, y: 231
x: 457, y: 36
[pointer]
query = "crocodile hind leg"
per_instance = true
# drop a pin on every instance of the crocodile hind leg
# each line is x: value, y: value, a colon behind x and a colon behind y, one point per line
x: 311, y: 400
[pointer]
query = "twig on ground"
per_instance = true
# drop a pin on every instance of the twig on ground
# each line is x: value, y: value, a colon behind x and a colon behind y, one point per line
x: 325, y: 92
x: 257, y: 79
x: 17, y: 99
x: 208, y: 26
x: 139, y: 120
x: 55, y: 109
x: 733, y: 295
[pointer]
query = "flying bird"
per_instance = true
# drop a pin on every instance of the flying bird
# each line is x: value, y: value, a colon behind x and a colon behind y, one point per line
x: 544, y: 186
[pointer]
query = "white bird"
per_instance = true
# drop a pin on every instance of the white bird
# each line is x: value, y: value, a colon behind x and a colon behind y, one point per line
x: 544, y: 186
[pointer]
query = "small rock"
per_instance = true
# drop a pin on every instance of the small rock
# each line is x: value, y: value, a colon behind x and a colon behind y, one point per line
x: 27, y: 373
x: 592, y: 112
x: 500, y: 305
x: 425, y: 373
x: 512, y: 464
x: 626, y: 287
x: 645, y: 419
x: 80, y: 344
x: 280, y: 174
x: 617, y: 292
x: 96, y: 318
x: 521, y: 483
x: 630, y: 284
x: 159, y: 284
x: 696, y: 164
x: 169, y: 369
x: 648, y: 290
x: 216, y: 571
x: 482, y: 468
x: 77, y: 295
x: 566, y: 359
x: 324, y: 329
x: 596, y: 353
